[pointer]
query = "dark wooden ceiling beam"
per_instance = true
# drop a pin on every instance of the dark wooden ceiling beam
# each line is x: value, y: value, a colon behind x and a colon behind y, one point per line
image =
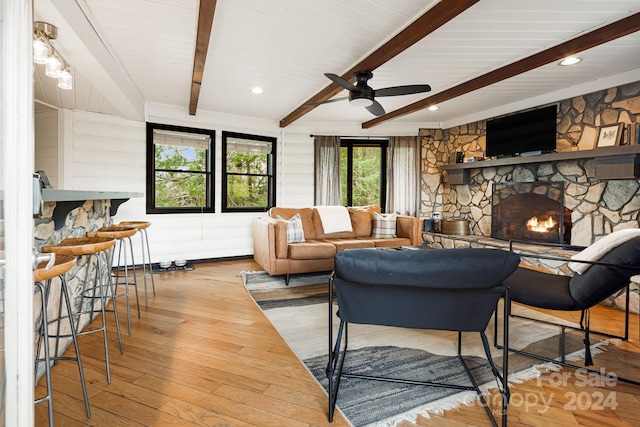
x: 610, y: 32
x: 205, y: 22
x: 430, y: 21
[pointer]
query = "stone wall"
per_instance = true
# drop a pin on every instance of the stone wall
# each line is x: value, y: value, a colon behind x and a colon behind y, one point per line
x: 93, y: 214
x: 599, y: 206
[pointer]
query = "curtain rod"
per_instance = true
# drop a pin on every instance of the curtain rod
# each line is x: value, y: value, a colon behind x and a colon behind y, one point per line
x: 355, y: 137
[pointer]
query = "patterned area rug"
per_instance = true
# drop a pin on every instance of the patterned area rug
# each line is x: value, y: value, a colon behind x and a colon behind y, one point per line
x: 299, y: 313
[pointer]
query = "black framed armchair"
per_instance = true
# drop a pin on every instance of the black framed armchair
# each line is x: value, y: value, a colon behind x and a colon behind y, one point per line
x: 442, y: 289
x: 602, y: 278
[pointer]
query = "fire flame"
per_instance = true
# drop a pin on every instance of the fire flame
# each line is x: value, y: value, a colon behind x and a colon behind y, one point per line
x: 534, y: 224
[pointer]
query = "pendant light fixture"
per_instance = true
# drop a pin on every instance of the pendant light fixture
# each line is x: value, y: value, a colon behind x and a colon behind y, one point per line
x: 45, y: 53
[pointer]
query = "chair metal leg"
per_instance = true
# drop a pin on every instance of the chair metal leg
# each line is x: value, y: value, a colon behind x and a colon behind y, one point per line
x: 146, y: 261
x: 44, y: 336
x: 135, y: 280
x: 111, y: 294
x: 335, y: 372
x: 123, y: 257
x: 102, y: 292
x: 562, y: 361
x: 64, y: 296
x: 334, y: 367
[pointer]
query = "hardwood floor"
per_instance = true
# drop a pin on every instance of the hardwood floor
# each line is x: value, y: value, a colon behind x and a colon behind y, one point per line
x: 203, y: 354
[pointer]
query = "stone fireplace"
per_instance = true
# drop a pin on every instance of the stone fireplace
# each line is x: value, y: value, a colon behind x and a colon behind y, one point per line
x: 598, y: 206
x: 530, y: 212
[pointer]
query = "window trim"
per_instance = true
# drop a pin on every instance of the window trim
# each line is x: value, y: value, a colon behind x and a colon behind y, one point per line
x: 151, y: 169
x: 383, y: 145
x: 272, y: 167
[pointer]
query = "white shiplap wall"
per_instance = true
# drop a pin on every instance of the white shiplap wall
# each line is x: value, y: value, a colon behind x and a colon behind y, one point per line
x: 108, y: 153
x: 46, y: 144
x: 295, y: 173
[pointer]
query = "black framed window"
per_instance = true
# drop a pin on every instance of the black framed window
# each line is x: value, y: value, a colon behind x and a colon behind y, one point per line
x: 363, y: 177
x: 179, y: 169
x: 249, y: 174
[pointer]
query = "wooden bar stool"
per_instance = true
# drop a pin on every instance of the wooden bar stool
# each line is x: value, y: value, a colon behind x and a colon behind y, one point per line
x: 41, y: 273
x: 62, y: 264
x: 146, y: 255
x: 120, y: 233
x: 93, y: 248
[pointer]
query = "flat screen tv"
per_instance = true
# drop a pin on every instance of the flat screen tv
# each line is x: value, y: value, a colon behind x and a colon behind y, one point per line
x: 526, y: 132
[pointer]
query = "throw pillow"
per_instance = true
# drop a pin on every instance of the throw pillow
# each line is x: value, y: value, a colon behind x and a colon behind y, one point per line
x: 384, y: 226
x: 295, y: 234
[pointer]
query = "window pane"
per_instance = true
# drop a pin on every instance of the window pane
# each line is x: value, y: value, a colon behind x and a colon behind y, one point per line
x: 366, y: 176
x: 180, y: 157
x: 247, y: 191
x: 180, y: 189
x: 180, y: 163
x: 249, y: 172
x: 247, y: 163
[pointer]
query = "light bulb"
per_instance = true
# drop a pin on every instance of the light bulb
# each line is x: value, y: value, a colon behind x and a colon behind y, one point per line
x: 40, y: 51
x: 54, y: 67
x: 361, y: 102
x: 65, y: 80
x: 571, y: 60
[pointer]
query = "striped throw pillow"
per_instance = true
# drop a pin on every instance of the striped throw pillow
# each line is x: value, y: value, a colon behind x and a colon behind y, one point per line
x: 295, y: 233
x: 384, y: 226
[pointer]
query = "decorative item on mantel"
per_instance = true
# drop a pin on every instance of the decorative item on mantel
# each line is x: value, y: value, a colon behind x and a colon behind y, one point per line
x: 458, y: 227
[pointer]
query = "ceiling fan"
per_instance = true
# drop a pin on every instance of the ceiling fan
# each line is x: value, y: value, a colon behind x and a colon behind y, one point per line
x: 362, y: 95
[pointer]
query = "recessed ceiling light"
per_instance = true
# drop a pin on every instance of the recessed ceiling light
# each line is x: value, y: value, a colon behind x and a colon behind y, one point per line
x: 257, y: 90
x: 570, y: 60
x: 433, y: 108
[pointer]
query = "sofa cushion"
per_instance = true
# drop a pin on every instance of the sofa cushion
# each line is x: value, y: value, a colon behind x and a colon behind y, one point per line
x: 295, y: 233
x: 306, y: 214
x: 384, y: 225
x: 361, y: 222
x: 362, y: 219
x: 344, y: 244
x: 311, y: 250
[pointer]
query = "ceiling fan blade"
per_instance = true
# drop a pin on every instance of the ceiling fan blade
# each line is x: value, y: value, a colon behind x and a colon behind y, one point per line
x: 340, y: 81
x: 402, y: 90
x: 313, y: 104
x: 375, y: 108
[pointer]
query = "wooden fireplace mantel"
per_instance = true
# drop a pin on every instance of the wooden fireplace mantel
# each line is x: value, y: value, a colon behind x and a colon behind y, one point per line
x: 621, y: 162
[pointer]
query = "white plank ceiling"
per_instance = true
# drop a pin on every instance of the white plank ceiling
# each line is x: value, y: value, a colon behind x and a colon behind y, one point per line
x: 285, y: 46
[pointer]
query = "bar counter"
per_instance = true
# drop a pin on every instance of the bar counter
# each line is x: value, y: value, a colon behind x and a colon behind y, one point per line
x: 72, y: 213
x: 67, y: 200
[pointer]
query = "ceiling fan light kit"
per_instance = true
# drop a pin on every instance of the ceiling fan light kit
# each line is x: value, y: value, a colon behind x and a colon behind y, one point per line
x: 362, y: 95
x: 360, y: 101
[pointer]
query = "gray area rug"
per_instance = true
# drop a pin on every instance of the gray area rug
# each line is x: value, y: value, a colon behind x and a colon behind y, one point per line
x: 395, y: 352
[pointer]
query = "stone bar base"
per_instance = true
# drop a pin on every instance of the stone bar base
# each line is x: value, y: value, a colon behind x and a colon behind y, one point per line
x: 442, y: 241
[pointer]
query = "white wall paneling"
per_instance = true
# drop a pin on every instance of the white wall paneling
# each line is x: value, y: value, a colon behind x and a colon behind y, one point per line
x: 109, y: 153
x: 46, y: 144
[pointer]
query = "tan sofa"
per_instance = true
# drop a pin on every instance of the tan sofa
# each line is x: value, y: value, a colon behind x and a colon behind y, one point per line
x: 278, y: 257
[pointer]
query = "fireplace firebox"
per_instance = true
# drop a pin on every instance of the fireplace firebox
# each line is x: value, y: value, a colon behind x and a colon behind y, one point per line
x: 530, y: 212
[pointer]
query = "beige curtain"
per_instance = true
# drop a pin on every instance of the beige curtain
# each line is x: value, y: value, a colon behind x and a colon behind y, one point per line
x: 327, y: 171
x: 403, y: 180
